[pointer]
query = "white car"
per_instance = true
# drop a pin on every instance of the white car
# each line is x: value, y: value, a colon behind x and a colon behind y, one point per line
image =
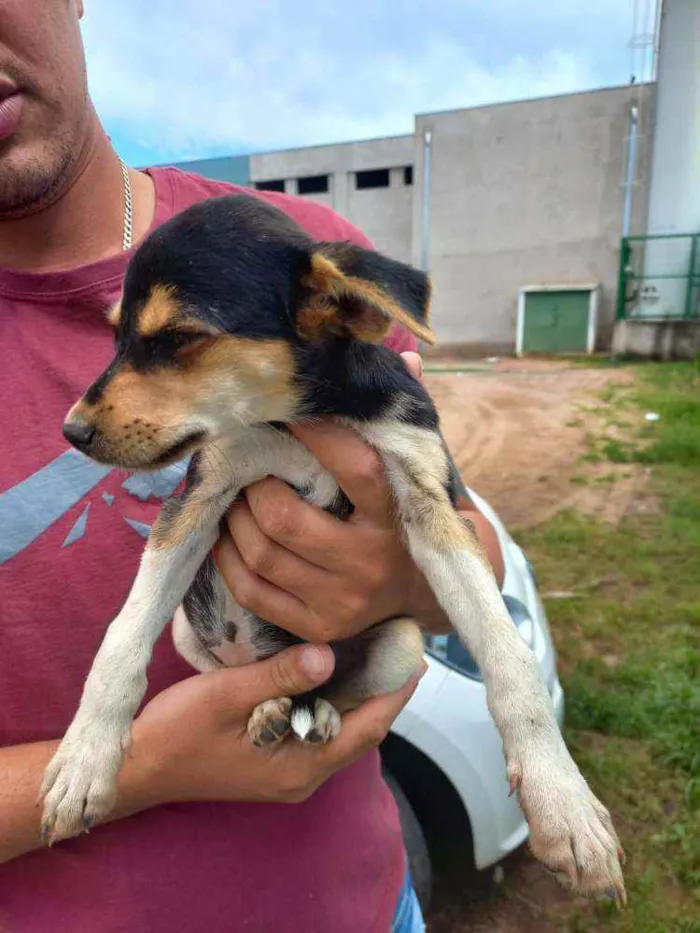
x: 443, y: 759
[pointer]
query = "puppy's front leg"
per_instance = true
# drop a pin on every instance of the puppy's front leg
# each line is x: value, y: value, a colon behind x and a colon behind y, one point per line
x: 570, y: 830
x: 80, y: 782
x: 79, y: 787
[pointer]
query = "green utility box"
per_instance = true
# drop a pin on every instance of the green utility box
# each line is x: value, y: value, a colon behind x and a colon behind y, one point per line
x: 556, y: 319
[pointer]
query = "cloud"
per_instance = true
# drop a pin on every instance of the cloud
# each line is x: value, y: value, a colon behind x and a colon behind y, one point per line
x: 182, y: 80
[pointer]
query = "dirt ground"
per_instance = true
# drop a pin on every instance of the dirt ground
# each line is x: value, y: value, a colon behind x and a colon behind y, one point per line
x: 517, y: 431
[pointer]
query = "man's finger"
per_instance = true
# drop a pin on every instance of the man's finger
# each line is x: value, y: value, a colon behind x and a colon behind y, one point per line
x: 355, y: 465
x: 293, y: 671
x: 272, y: 561
x: 302, y: 528
x: 255, y: 594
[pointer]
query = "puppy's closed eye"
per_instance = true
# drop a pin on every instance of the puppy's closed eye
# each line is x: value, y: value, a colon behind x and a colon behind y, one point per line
x: 171, y: 346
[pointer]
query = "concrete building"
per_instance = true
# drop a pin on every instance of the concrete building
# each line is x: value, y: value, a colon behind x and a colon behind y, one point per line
x: 503, y: 197
x: 518, y: 195
x: 369, y: 183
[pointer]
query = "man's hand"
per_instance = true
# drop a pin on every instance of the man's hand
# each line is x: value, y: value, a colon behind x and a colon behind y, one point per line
x: 191, y: 741
x: 302, y: 569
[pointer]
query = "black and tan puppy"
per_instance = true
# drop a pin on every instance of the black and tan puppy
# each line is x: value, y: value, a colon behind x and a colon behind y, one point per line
x: 232, y: 323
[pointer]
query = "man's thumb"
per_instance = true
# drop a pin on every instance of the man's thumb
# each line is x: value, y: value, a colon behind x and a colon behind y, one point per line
x: 297, y: 670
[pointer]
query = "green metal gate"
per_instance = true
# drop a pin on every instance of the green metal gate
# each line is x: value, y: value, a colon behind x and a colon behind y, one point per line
x: 556, y: 321
x: 659, y: 277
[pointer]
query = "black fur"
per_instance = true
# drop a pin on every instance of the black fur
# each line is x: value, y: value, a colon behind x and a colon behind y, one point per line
x: 237, y: 263
x: 199, y: 604
x: 362, y: 381
x: 233, y: 261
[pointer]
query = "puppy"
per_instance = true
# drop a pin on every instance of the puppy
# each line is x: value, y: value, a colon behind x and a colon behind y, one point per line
x: 233, y: 323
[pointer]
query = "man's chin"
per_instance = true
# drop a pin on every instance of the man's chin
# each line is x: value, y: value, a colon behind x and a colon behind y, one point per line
x: 28, y: 185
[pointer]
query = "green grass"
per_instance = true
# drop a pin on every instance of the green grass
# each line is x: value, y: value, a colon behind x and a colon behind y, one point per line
x: 629, y: 653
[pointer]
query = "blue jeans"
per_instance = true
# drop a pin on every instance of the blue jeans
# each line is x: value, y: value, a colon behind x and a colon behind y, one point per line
x: 408, y: 917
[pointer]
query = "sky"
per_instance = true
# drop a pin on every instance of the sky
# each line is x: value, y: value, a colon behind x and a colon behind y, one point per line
x: 186, y: 79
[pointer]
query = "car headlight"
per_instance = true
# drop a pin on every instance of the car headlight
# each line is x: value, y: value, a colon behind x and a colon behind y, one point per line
x: 520, y: 615
x: 450, y: 650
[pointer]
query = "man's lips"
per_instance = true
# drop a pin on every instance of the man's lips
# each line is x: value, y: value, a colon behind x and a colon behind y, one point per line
x: 10, y: 107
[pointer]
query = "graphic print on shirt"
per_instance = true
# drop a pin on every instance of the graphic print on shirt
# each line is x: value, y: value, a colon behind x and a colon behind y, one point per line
x: 35, y: 504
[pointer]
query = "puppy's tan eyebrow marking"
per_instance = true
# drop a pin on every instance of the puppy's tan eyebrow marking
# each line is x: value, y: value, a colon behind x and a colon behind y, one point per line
x: 114, y: 314
x: 159, y: 312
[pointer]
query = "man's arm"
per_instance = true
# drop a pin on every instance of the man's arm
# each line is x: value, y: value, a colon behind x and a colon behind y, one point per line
x: 191, y: 743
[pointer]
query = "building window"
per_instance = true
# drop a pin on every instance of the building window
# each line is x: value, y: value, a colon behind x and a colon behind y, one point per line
x: 373, y: 178
x: 276, y: 184
x: 313, y: 184
x: 408, y: 175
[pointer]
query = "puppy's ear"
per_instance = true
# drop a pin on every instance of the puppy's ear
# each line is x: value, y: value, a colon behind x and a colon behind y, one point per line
x: 354, y: 292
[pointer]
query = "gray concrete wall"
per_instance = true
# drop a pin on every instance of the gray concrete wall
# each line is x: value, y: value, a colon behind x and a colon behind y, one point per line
x: 524, y: 193
x: 383, y: 214
x: 657, y: 339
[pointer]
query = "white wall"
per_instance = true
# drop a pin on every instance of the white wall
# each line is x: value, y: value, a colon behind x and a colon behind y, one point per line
x: 674, y: 197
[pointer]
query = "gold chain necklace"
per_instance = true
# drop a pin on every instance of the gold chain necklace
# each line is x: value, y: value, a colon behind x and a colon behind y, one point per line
x: 128, y: 207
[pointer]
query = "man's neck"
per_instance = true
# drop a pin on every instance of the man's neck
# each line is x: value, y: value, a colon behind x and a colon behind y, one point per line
x: 86, y: 223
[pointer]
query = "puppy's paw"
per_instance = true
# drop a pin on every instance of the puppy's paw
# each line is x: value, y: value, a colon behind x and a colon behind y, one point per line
x: 318, y: 727
x: 269, y: 722
x: 571, y: 832
x: 80, y: 783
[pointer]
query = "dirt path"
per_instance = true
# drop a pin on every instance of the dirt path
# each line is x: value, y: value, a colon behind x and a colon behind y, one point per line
x: 517, y: 432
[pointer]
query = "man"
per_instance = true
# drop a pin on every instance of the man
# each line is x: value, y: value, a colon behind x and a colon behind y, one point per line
x: 210, y: 842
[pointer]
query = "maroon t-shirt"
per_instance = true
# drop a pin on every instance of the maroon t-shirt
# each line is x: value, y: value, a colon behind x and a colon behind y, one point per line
x: 71, y: 533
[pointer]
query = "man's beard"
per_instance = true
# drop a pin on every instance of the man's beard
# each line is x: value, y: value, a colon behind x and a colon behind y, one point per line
x: 30, y: 185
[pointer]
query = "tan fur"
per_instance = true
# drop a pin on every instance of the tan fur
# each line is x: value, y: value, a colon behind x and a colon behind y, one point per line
x: 317, y: 318
x: 378, y: 310
x: 173, y: 528
x: 160, y: 311
x: 423, y: 471
x: 324, y: 275
x: 373, y: 296
x: 114, y: 314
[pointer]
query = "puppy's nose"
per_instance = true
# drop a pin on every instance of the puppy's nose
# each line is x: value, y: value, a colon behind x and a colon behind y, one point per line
x: 79, y: 433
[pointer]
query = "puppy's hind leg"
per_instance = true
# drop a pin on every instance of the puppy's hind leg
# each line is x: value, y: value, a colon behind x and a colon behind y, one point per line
x: 377, y: 661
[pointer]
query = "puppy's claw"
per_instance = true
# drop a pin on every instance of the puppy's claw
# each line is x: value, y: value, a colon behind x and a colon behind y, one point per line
x: 616, y: 894
x: 570, y: 830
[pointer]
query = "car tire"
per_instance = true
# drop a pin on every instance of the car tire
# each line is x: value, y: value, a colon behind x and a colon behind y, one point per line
x: 419, y: 862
